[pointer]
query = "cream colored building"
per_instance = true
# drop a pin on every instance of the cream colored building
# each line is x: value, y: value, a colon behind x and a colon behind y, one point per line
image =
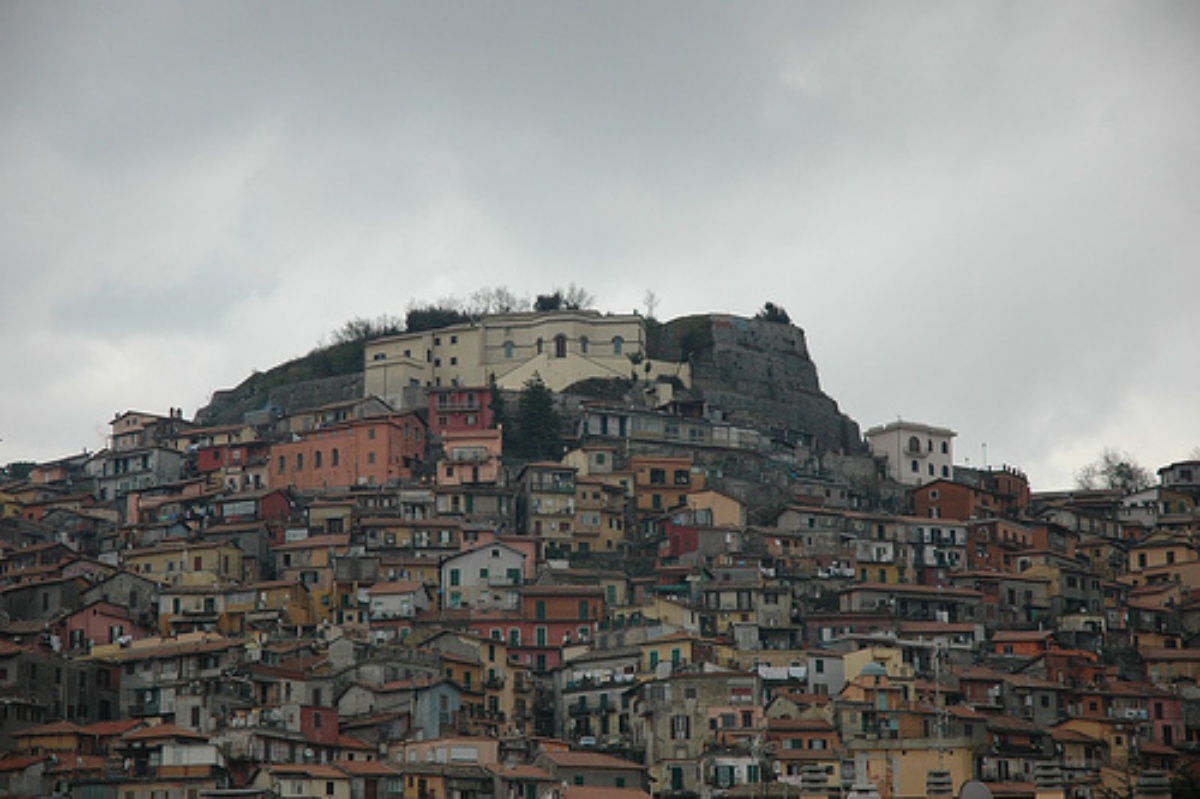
x: 916, y: 453
x: 562, y: 347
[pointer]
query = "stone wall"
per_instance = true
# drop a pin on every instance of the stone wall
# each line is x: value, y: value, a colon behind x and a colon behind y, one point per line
x: 760, y: 374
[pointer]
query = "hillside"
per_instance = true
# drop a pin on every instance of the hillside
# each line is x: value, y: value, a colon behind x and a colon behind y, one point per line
x: 757, y: 373
x: 327, y: 374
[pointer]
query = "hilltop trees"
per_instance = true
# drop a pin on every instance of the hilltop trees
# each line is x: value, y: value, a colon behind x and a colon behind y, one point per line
x: 1114, y: 470
x: 773, y: 313
x: 573, y: 298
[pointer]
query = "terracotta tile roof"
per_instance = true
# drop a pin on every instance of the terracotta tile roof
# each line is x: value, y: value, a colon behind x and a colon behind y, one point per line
x: 74, y: 763
x: 314, y: 770
x: 105, y: 728
x: 350, y: 742
x: 596, y: 792
x: 314, y: 542
x: 53, y: 728
x: 588, y: 760
x: 163, y: 732
x: 20, y: 762
x: 365, y: 768
x: 397, y: 587
x: 521, y: 771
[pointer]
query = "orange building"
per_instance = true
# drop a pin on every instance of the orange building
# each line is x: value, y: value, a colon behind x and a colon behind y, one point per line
x: 374, y: 451
x: 661, y: 483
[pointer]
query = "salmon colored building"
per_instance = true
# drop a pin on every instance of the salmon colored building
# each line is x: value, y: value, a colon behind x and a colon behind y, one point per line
x: 375, y: 451
x: 472, y: 457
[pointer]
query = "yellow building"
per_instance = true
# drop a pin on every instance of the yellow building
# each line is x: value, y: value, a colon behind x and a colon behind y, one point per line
x: 899, y: 767
x: 233, y: 608
x: 892, y: 661
x: 310, y: 561
x: 599, y: 515
x: 678, y: 649
x: 716, y: 509
x: 1161, y: 549
x: 562, y: 347
x: 187, y: 562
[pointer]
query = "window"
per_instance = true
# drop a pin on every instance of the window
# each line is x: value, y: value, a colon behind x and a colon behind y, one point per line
x: 299, y: 461
x: 540, y: 610
x: 560, y: 346
x: 334, y: 457
x: 282, y: 464
x: 915, y: 467
x: 658, y: 477
x: 681, y: 727
x: 317, y: 459
x: 583, y: 609
x: 583, y: 344
x: 539, y: 346
x: 618, y: 345
x: 371, y: 458
x: 945, y: 448
x: 508, y: 350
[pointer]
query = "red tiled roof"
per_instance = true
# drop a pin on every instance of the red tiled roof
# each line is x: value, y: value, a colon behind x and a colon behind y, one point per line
x: 597, y: 792
x: 53, y: 728
x: 588, y: 760
x: 366, y: 768
x: 20, y: 762
x: 163, y: 732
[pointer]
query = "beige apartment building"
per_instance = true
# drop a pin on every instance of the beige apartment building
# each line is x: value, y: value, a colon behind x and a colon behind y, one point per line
x: 562, y: 347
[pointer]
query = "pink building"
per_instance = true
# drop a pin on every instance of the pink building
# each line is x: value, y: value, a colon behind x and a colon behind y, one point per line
x: 99, y: 623
x: 457, y: 408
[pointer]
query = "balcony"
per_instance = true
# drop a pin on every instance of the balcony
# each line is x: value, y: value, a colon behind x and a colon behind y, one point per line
x: 150, y: 708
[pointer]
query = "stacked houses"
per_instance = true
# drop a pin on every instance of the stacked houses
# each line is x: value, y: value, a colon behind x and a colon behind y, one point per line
x: 376, y: 599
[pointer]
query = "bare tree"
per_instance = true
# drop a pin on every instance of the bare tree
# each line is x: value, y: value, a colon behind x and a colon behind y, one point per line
x: 576, y: 297
x: 651, y: 302
x: 1114, y: 470
x: 496, y: 300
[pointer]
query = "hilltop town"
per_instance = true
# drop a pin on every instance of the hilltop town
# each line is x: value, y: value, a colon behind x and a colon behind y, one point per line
x: 565, y: 554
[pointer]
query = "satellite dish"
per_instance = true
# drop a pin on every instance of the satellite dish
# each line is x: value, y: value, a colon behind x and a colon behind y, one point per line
x: 974, y: 789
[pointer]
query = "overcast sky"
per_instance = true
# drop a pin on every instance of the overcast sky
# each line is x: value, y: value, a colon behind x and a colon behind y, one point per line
x: 985, y: 215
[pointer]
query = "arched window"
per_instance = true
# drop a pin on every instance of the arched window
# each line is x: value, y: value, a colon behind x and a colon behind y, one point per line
x: 618, y: 345
x: 914, y: 444
x: 539, y: 346
x: 508, y: 350
x: 583, y: 344
x: 560, y: 346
